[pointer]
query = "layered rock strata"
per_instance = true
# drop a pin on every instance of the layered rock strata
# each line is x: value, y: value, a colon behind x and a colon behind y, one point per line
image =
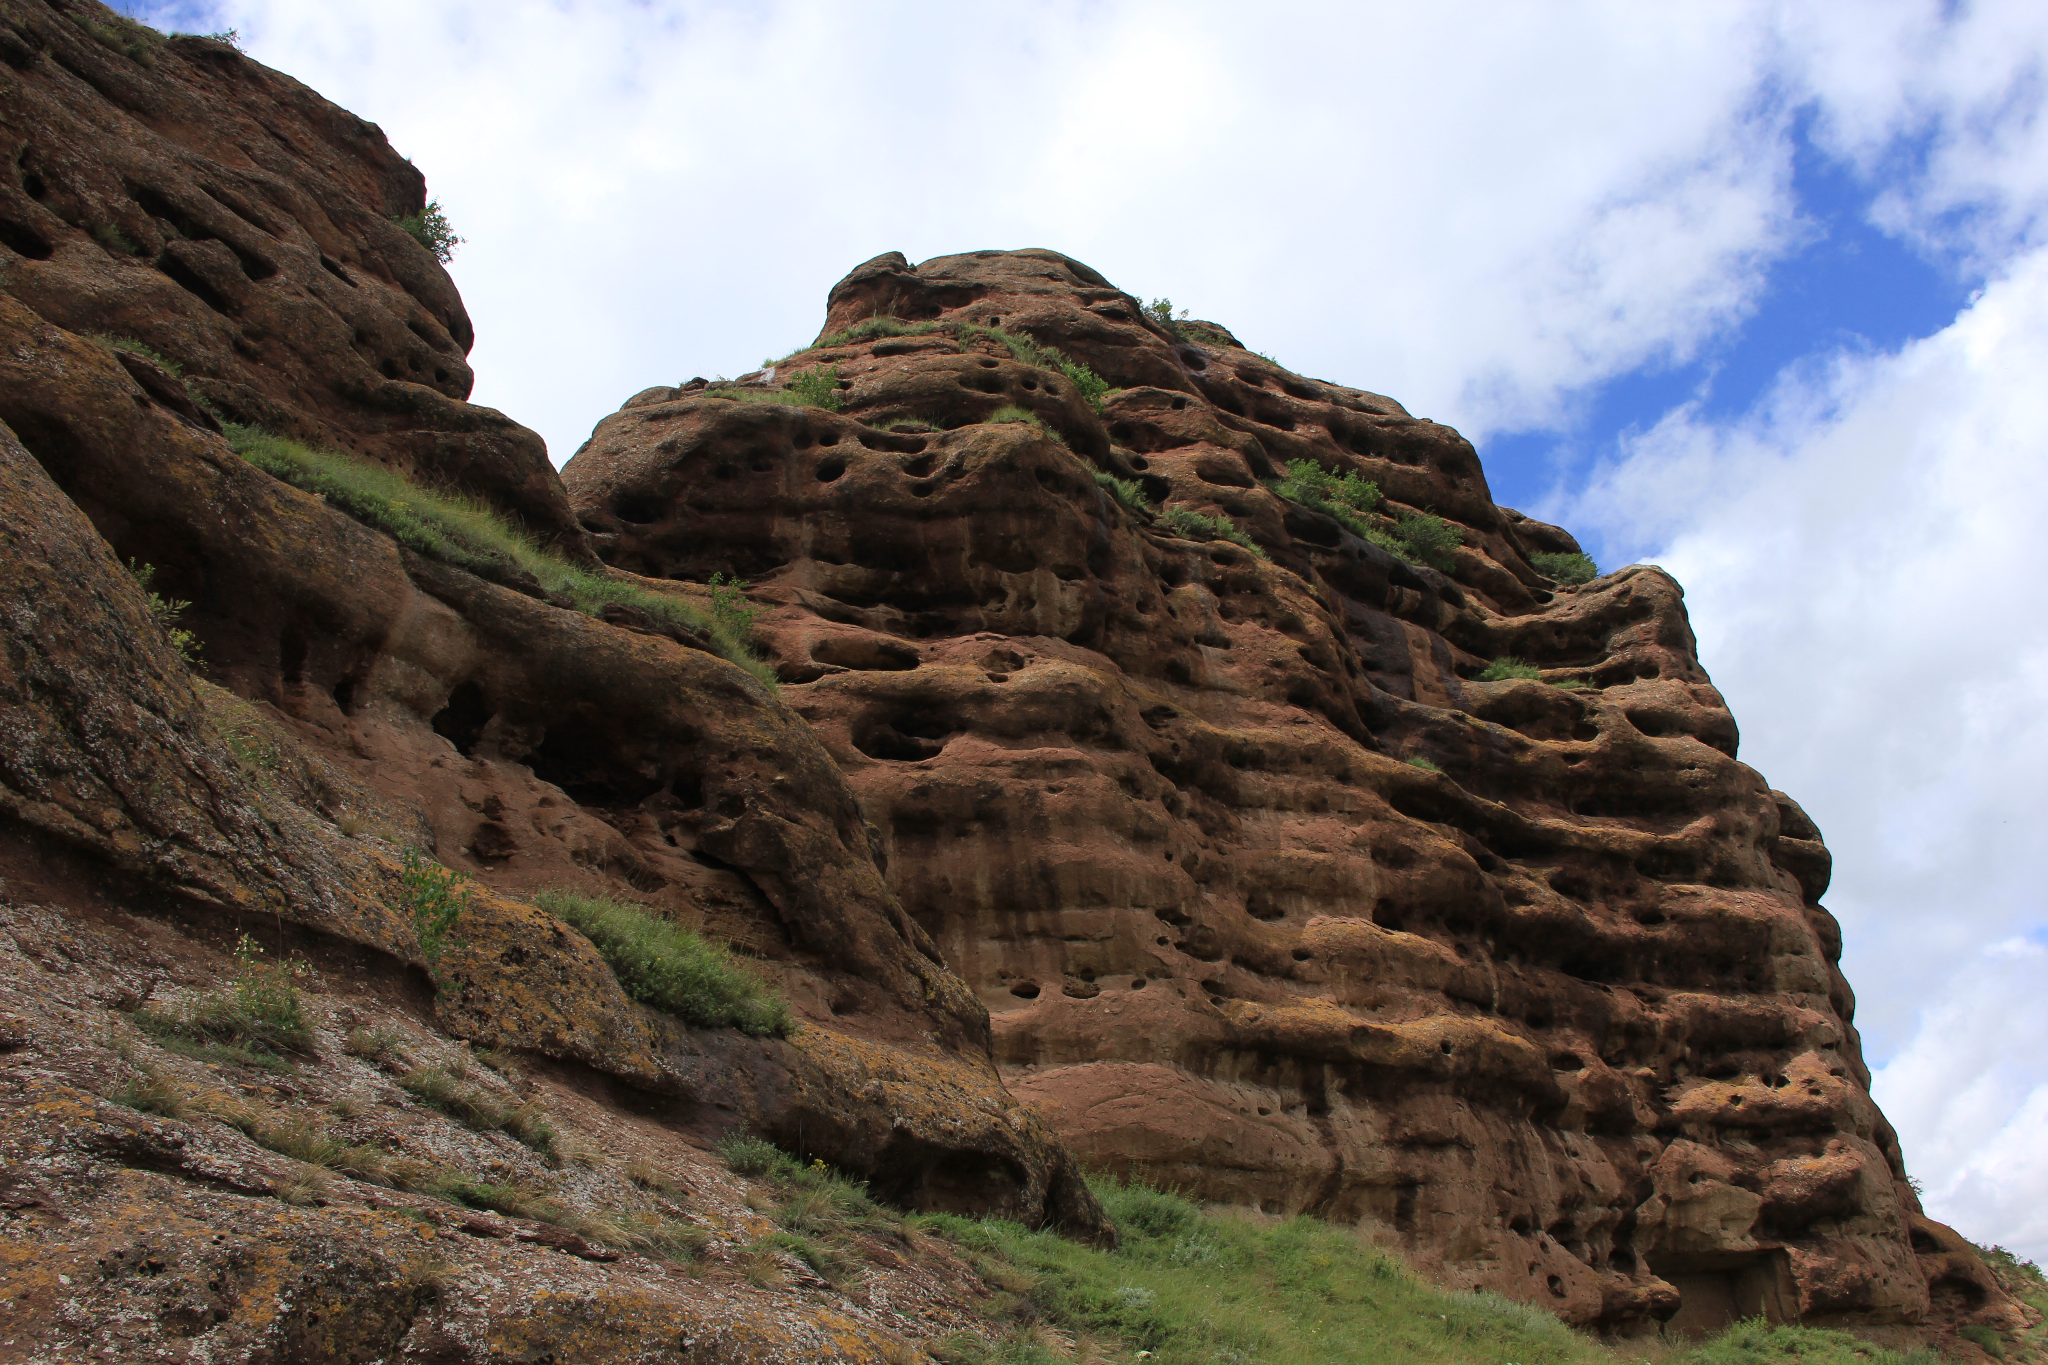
x: 1270, y: 897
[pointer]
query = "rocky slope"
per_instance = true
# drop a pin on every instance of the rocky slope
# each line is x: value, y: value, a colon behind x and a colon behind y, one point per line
x: 1064, y: 834
x: 1270, y: 897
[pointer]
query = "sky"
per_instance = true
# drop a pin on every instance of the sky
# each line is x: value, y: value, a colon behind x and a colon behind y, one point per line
x: 1756, y: 291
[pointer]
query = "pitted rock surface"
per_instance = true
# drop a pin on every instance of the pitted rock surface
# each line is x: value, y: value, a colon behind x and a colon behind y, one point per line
x: 1269, y: 897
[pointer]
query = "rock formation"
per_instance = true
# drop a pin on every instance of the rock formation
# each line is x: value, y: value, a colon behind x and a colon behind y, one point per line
x: 1209, y: 861
x: 1270, y: 896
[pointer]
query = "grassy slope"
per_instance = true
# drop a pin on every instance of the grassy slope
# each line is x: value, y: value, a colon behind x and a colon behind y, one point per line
x: 1191, y: 1286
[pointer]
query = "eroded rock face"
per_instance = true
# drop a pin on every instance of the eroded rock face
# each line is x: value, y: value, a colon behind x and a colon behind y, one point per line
x: 181, y: 195
x: 1268, y: 896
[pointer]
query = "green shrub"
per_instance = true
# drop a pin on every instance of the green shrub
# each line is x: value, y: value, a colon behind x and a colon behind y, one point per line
x: 1349, y: 500
x: 260, y: 1015
x: 1126, y: 491
x: 1308, y: 481
x: 429, y: 227
x: 1565, y: 568
x: 1422, y: 763
x: 1430, y: 539
x: 755, y: 1158
x: 1193, y: 525
x: 1506, y: 667
x: 818, y: 388
x: 435, y: 897
x: 470, y: 535
x: 166, y: 613
x: 664, y: 965
x: 1161, y: 311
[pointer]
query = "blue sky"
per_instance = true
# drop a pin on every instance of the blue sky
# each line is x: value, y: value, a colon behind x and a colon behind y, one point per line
x: 1848, y: 285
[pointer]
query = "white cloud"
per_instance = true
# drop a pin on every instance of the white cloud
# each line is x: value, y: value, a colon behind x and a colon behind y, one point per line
x: 1476, y: 207
x: 1970, y: 1099
x: 1860, y: 555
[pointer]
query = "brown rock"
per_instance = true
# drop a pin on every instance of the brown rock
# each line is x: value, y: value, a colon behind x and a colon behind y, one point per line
x: 1556, y: 1011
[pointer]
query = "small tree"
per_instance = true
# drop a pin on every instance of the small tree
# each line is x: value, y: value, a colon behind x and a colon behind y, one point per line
x: 429, y: 227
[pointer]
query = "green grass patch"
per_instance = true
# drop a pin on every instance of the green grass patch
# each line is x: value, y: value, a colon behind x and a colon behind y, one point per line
x: 662, y: 964
x: 258, y: 1019
x: 136, y: 41
x: 1757, y: 1342
x: 816, y: 1207
x: 469, y: 534
x: 818, y: 388
x: 1010, y: 412
x: 1126, y: 491
x: 1193, y: 525
x: 1508, y: 666
x: 1422, y: 763
x: 1194, y: 1286
x: 1565, y: 568
x: 872, y: 328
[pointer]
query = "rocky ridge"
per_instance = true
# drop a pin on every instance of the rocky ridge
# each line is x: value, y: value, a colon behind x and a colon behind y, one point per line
x: 1064, y: 834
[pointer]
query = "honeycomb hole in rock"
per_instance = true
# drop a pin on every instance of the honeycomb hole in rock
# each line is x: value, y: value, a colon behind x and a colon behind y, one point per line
x: 915, y: 1175
x: 639, y: 508
x: 1716, y: 1290
x: 830, y: 469
x: 189, y: 281
x: 462, y: 719
x: 1025, y: 990
x: 589, y: 761
x: 24, y: 241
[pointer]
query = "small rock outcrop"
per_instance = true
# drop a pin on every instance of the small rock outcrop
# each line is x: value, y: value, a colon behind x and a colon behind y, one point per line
x: 1271, y: 894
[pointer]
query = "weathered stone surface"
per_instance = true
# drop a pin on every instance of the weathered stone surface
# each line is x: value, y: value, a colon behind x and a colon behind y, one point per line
x: 1268, y: 896
x: 242, y: 226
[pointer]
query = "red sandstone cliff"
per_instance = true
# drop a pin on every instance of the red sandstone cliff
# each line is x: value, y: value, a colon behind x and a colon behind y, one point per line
x: 1054, y: 805
x: 1559, y: 1013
